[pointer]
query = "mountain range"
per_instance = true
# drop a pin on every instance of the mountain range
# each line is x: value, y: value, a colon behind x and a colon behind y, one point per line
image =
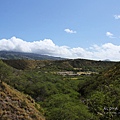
x: 23, y: 55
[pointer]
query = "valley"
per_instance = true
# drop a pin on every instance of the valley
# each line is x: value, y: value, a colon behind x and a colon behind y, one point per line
x: 70, y: 89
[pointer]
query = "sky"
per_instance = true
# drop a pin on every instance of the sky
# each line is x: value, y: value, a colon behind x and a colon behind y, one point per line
x: 87, y: 29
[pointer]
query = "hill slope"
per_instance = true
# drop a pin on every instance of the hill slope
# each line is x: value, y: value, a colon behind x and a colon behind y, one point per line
x: 16, y: 106
x: 102, y: 93
x: 67, y: 64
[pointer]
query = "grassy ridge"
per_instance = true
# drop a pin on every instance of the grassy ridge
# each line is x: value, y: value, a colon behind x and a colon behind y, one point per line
x: 17, y: 106
x: 85, y: 65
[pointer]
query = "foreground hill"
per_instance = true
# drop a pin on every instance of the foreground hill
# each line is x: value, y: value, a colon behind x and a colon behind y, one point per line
x: 17, y: 106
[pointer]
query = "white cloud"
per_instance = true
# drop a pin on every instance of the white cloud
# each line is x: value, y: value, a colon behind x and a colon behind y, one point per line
x: 110, y: 35
x: 117, y: 16
x: 47, y: 47
x: 70, y: 31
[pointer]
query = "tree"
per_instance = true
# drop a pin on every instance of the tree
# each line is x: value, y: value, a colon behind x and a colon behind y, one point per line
x: 4, y: 71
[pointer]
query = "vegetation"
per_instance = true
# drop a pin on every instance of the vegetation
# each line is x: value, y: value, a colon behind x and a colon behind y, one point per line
x: 4, y: 71
x: 69, y: 97
x: 17, y: 106
x: 102, y: 93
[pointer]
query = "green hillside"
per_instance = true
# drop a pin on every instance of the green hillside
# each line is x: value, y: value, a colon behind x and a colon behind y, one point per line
x: 101, y: 93
x: 63, y: 92
x: 17, y: 106
x: 67, y: 64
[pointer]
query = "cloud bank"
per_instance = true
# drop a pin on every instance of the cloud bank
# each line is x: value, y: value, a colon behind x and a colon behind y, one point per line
x: 47, y: 47
x: 70, y: 31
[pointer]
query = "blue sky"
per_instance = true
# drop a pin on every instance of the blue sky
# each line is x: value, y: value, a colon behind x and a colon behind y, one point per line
x: 79, y: 26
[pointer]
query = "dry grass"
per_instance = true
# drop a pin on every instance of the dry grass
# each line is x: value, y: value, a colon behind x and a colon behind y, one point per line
x: 17, y: 106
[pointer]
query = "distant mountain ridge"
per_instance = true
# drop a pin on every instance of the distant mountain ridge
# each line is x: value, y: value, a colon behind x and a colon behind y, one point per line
x: 22, y: 55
